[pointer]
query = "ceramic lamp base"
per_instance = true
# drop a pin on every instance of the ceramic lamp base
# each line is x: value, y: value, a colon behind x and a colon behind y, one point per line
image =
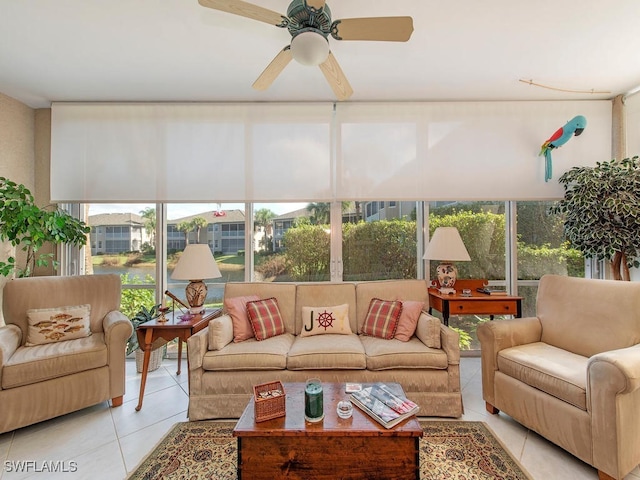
x: 447, y: 274
x: 196, y: 293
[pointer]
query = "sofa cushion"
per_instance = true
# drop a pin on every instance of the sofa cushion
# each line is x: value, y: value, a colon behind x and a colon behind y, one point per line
x: 554, y: 371
x: 36, y: 364
x: 265, y: 318
x: 236, y: 307
x: 326, y: 352
x: 220, y: 332
x: 382, y: 318
x: 428, y: 330
x: 408, y: 320
x: 323, y: 320
x: 269, y: 354
x: 58, y: 324
x: 395, y: 354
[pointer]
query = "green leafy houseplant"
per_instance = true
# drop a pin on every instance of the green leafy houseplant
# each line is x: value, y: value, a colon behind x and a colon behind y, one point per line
x: 601, y: 205
x: 144, y: 315
x: 29, y: 227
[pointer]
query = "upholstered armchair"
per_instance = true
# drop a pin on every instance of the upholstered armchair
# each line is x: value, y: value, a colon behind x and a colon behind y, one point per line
x: 62, y: 348
x: 572, y: 372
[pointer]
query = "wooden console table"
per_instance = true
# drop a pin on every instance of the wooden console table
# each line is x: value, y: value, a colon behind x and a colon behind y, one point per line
x: 173, y: 327
x: 477, y: 303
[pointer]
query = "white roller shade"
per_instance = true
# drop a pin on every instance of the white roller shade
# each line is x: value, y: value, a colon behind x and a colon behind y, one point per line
x: 190, y: 152
x: 311, y: 152
x: 462, y: 150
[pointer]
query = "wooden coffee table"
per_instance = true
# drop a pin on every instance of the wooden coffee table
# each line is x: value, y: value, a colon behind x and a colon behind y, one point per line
x: 353, y: 448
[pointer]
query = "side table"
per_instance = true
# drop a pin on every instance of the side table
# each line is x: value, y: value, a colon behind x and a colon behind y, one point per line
x: 476, y: 303
x: 172, y: 328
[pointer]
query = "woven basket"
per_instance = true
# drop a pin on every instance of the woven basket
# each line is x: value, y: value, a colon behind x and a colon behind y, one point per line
x: 268, y: 408
x: 154, y: 360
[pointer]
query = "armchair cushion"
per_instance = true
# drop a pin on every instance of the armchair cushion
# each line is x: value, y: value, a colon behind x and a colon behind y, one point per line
x: 58, y: 324
x: 557, y: 372
x: 36, y: 364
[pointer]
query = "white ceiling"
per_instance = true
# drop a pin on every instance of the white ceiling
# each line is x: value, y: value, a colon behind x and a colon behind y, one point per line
x: 177, y: 50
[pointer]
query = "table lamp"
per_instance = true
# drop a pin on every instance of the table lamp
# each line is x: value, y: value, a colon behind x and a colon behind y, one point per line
x: 446, y: 246
x: 196, y: 264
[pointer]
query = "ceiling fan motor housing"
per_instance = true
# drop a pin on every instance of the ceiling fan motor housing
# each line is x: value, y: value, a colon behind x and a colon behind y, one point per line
x: 303, y: 18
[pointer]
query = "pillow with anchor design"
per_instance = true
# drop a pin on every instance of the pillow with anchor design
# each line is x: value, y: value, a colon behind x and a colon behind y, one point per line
x: 321, y: 320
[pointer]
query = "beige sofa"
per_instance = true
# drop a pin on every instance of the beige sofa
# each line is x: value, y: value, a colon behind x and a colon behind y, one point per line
x: 50, y: 379
x: 221, y: 380
x: 572, y: 372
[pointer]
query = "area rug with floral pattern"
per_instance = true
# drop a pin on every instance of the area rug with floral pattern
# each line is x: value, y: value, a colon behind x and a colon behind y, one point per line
x: 458, y: 450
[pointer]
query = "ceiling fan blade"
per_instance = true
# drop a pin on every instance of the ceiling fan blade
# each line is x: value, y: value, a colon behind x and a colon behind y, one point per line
x: 245, y: 9
x: 335, y: 76
x: 388, y: 29
x: 274, y: 69
x: 316, y: 4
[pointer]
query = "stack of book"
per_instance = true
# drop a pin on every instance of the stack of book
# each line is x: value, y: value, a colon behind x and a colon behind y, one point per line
x: 492, y: 291
x: 383, y: 405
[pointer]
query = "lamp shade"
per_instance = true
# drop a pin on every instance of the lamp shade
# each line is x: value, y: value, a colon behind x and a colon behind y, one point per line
x: 446, y: 244
x: 196, y: 263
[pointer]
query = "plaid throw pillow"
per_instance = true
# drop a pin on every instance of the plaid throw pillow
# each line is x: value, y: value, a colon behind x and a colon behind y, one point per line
x: 265, y: 318
x: 382, y: 318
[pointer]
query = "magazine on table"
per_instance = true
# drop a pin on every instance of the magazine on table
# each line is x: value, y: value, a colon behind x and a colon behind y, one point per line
x: 383, y: 405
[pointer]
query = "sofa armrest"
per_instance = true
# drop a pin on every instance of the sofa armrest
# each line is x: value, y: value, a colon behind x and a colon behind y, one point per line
x: 613, y: 399
x: 498, y: 335
x: 197, y: 347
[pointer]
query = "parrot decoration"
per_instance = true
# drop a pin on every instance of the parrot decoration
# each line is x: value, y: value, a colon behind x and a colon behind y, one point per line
x: 573, y: 127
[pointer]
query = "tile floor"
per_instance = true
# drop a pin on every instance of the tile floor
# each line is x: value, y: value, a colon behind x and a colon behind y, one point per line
x: 104, y: 443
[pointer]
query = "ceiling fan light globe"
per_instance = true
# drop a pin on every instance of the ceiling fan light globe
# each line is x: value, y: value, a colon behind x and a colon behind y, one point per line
x: 310, y: 48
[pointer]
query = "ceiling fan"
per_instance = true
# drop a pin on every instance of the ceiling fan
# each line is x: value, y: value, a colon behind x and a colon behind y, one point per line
x: 309, y: 23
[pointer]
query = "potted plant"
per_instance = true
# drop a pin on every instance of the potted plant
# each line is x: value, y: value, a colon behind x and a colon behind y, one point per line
x: 601, y: 205
x: 144, y: 315
x: 25, y: 225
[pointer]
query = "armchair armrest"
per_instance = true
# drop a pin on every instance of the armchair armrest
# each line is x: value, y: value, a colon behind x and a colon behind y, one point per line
x: 613, y: 399
x: 498, y: 335
x: 10, y: 339
x: 117, y: 330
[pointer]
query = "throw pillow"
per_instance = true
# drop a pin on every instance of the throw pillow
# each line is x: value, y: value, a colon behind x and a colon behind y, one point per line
x: 236, y: 307
x: 320, y: 320
x: 382, y: 318
x: 50, y: 325
x: 408, y: 320
x: 265, y: 318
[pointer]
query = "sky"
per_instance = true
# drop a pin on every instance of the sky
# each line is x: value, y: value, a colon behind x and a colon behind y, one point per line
x: 179, y: 210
